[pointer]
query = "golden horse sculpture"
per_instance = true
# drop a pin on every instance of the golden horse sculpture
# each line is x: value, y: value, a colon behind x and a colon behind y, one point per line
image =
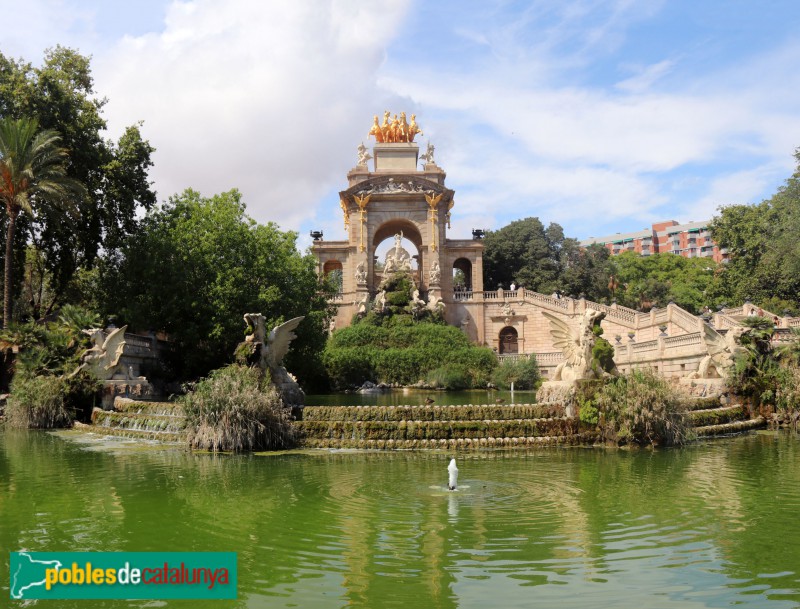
x: 398, y: 130
x: 376, y: 131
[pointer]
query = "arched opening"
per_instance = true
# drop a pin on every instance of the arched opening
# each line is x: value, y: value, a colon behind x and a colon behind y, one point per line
x: 332, y: 270
x: 462, y: 275
x: 508, y: 341
x: 397, y: 246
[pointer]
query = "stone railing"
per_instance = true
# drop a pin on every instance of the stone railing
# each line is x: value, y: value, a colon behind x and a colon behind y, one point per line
x: 684, y: 340
x: 733, y: 311
x: 687, y: 321
x: 512, y: 357
x: 553, y: 358
x: 462, y: 296
x: 660, y: 316
x: 723, y: 322
x: 648, y: 345
x: 547, y: 301
x: 490, y: 296
x: 621, y: 315
x: 632, y: 313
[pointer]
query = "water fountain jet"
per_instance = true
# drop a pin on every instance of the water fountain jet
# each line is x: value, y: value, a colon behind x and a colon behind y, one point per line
x: 452, y: 471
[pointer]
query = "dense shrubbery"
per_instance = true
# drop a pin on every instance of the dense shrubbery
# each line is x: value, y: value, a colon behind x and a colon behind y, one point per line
x: 401, y: 354
x: 641, y: 408
x: 392, y: 347
x: 523, y: 372
x: 234, y: 409
x: 765, y: 376
x: 37, y: 402
x: 450, y: 376
x: 43, y: 392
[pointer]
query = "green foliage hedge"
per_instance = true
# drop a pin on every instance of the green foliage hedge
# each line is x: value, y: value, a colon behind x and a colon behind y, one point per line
x: 523, y: 372
x: 394, y: 349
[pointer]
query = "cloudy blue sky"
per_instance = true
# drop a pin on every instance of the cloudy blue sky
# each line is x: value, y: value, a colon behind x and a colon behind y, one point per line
x: 601, y: 115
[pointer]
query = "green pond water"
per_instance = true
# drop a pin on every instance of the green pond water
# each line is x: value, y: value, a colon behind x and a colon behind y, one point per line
x: 712, y: 525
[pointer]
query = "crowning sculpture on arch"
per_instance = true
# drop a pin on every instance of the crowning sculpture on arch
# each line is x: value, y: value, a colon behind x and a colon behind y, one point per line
x: 403, y: 196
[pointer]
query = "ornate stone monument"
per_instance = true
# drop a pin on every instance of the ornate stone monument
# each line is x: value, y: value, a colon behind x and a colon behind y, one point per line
x: 394, y: 192
x: 576, y: 344
x: 267, y: 352
x: 709, y: 378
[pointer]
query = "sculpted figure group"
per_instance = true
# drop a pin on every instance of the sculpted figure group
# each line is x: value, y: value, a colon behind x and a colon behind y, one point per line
x: 576, y: 345
x: 395, y: 131
x: 722, y: 352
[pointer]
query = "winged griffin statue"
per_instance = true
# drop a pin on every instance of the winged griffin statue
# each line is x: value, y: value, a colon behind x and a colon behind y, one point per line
x: 102, y: 360
x: 268, y: 353
x: 576, y: 345
x: 722, y: 352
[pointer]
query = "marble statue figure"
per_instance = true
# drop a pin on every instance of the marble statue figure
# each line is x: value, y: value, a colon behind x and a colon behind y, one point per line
x: 435, y: 273
x: 102, y: 360
x: 270, y: 351
x: 575, y: 345
x: 722, y: 352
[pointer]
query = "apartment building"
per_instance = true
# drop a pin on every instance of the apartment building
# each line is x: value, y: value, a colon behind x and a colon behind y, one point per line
x: 691, y: 240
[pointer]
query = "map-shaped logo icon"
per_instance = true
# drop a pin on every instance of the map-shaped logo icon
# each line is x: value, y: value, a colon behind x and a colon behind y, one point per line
x: 27, y: 573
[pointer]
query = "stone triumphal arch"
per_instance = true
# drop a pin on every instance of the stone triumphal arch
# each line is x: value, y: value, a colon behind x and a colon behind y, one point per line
x: 404, y: 197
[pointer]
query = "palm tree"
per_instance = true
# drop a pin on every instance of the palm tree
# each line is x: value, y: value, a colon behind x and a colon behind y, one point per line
x: 32, y: 168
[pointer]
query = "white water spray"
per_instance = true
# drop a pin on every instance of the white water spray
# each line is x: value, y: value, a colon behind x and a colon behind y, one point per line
x: 452, y: 470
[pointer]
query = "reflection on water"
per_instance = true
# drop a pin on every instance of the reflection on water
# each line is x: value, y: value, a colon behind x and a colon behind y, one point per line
x: 707, y: 526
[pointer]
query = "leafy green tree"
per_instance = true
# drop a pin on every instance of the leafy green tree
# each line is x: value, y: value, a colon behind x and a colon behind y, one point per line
x: 33, y: 173
x: 586, y: 271
x: 765, y: 251
x: 644, y: 282
x: 543, y: 259
x: 526, y: 253
x: 197, y: 265
x: 60, y: 95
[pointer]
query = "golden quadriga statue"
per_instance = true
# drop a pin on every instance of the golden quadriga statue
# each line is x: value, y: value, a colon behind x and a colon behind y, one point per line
x: 397, y: 130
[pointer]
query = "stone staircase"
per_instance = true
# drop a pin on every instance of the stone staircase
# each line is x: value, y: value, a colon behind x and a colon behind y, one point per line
x: 163, y: 421
x: 722, y: 420
x: 429, y: 426
x: 469, y: 426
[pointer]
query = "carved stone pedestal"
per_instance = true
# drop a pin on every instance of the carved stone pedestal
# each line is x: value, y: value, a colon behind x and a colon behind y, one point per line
x: 559, y: 392
x: 140, y: 389
x: 705, y: 388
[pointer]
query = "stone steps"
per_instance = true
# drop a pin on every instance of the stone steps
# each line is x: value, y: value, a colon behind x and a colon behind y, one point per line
x: 437, y: 430
x: 136, y: 434
x: 128, y: 405
x: 470, y: 426
x: 452, y: 443
x: 423, y: 412
x: 141, y: 420
x: 172, y: 423
x: 733, y: 427
x: 717, y: 416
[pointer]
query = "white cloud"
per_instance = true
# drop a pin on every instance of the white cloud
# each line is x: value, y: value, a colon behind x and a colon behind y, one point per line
x: 545, y: 109
x: 271, y: 98
x: 645, y: 76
